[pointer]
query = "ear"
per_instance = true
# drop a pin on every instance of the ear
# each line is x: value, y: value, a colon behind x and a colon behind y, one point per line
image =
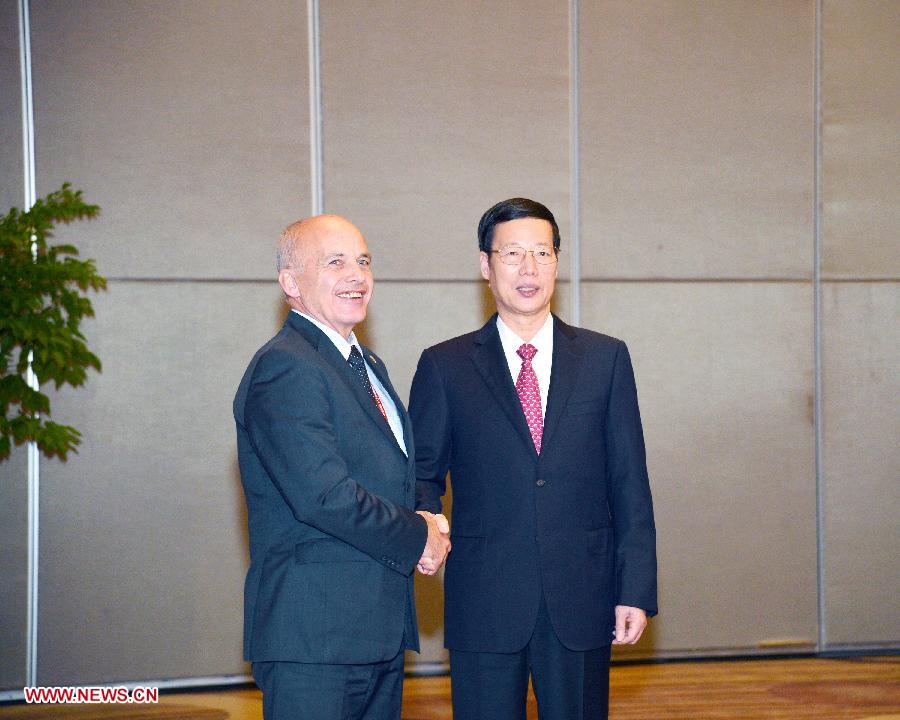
x: 288, y: 283
x: 485, y: 265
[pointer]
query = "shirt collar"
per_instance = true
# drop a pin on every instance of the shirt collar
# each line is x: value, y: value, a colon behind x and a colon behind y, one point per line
x: 542, y: 340
x: 343, y: 345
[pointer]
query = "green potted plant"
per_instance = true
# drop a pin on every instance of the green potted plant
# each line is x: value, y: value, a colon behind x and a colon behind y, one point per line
x: 42, y: 304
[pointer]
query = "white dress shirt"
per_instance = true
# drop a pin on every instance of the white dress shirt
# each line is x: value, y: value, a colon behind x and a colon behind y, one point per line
x: 344, y: 346
x: 542, y: 361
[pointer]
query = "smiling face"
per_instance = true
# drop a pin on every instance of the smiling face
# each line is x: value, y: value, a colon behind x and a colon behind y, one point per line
x: 331, y: 274
x: 522, y: 293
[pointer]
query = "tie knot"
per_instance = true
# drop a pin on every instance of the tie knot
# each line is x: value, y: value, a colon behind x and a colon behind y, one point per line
x: 357, y: 363
x: 526, y: 352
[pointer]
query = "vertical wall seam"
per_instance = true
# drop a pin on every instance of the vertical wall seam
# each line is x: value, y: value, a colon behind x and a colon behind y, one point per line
x: 317, y: 190
x: 34, y: 476
x: 817, y: 311
x: 574, y: 164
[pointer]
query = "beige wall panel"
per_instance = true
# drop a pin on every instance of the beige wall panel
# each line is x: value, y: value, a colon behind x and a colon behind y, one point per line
x: 861, y: 386
x: 407, y: 317
x: 186, y: 122
x: 434, y: 111
x: 13, y: 568
x: 143, y: 535
x: 404, y: 319
x: 12, y: 184
x: 726, y: 398
x: 861, y: 124
x: 13, y: 472
x: 697, y: 132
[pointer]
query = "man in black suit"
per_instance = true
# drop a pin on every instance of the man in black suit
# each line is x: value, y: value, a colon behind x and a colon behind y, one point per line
x: 554, y: 550
x: 329, y: 478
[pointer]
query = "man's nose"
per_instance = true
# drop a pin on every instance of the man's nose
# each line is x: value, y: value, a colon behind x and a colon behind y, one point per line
x: 354, y: 273
x: 529, y: 264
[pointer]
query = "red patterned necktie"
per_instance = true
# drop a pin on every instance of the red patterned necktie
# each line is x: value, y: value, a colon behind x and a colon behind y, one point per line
x: 530, y: 394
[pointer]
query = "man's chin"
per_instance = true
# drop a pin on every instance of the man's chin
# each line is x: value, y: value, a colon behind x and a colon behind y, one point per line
x: 531, y: 309
x: 354, y: 319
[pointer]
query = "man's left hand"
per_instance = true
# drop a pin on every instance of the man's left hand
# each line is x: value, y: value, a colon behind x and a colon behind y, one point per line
x: 630, y: 624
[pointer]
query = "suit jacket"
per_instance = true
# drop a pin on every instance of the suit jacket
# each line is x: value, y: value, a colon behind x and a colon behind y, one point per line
x: 575, y: 523
x: 333, y: 538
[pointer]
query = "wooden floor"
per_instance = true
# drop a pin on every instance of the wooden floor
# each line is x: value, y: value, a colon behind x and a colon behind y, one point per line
x: 794, y: 689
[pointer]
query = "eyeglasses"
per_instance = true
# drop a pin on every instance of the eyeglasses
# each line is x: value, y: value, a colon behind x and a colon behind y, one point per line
x: 515, y: 255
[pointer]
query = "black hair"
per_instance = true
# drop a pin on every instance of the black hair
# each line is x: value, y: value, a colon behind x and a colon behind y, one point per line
x: 513, y: 209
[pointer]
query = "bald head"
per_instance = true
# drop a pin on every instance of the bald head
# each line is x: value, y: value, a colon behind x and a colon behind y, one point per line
x: 324, y: 268
x: 295, y: 241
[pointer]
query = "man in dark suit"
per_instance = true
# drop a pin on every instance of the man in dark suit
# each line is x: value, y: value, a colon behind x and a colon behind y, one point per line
x: 324, y: 446
x: 554, y: 550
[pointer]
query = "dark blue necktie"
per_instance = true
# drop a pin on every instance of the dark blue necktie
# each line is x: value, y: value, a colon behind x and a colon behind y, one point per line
x: 359, y: 366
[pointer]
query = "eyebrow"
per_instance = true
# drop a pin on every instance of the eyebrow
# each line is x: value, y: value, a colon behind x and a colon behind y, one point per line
x: 520, y: 244
x: 332, y: 256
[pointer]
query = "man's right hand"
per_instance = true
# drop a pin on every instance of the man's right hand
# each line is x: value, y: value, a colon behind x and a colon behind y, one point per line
x: 438, y: 544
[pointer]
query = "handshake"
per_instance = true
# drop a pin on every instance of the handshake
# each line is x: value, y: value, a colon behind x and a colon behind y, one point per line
x: 437, y: 545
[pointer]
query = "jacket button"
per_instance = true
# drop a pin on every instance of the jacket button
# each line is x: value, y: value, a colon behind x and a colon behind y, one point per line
x: 541, y: 482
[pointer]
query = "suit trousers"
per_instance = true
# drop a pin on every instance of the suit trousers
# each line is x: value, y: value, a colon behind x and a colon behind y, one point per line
x: 310, y: 691
x: 568, y: 685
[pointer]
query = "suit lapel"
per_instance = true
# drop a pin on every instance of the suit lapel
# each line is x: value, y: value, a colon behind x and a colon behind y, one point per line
x: 381, y: 373
x: 567, y: 356
x: 333, y: 357
x: 491, y: 364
